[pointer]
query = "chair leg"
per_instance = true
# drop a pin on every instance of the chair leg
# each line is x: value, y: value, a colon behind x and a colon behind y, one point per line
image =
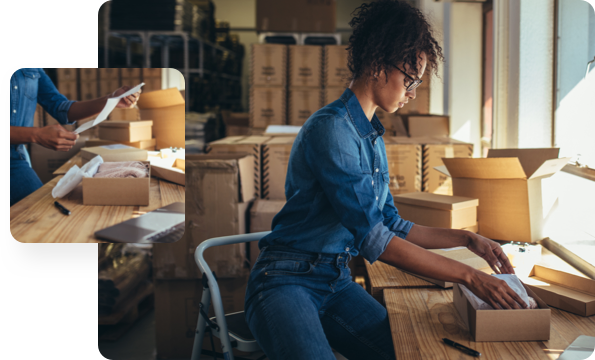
x: 205, y: 303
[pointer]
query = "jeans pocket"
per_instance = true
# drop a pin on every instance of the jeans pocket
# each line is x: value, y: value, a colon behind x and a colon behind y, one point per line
x: 288, y: 267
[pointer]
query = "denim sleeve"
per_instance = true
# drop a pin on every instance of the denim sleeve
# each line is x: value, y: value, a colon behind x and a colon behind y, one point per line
x: 332, y: 151
x: 393, y: 221
x: 56, y: 104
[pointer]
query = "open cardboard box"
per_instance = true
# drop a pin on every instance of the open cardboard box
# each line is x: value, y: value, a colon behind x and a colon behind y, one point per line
x: 117, y: 191
x: 115, y: 152
x: 176, y: 173
x: 562, y: 290
x: 166, y: 108
x: 126, y: 130
x: 142, y: 144
x: 504, y: 325
x: 443, y: 211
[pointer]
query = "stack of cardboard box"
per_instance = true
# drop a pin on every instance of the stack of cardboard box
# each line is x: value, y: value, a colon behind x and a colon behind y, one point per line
x: 305, y: 82
x: 268, y: 80
x: 89, y: 84
x: 336, y: 73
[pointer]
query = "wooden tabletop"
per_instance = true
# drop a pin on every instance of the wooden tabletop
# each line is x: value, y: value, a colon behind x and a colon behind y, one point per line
x: 35, y: 219
x: 421, y: 317
x: 382, y: 276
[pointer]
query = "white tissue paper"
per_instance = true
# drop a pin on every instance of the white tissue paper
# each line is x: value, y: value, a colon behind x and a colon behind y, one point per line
x: 75, y: 175
x: 512, y: 281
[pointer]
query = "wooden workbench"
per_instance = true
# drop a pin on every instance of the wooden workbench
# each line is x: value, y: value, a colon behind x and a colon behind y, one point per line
x: 36, y: 219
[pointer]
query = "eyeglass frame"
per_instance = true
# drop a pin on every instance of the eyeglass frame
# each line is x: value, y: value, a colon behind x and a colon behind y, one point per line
x: 414, y: 84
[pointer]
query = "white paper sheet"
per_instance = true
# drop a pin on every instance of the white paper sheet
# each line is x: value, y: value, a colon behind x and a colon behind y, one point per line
x: 107, y: 109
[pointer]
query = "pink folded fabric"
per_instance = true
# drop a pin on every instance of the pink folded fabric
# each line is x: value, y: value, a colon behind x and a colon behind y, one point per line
x: 123, y: 169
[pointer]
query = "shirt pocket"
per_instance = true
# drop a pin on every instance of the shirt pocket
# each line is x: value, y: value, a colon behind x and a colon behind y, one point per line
x: 30, y: 83
x: 383, y: 190
x: 288, y: 267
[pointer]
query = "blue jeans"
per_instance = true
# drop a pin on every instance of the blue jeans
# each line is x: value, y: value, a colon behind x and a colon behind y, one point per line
x: 299, y: 305
x: 23, y: 180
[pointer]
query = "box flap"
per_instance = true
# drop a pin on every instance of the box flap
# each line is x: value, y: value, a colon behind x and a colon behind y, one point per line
x: 442, y: 169
x: 564, y: 279
x: 550, y: 167
x: 531, y: 159
x: 126, y: 123
x: 436, y: 201
x: 495, y: 168
x: 160, y: 98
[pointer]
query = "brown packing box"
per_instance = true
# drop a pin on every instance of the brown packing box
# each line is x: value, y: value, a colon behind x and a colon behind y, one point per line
x: 89, y: 90
x: 296, y: 16
x: 127, y: 73
x: 428, y: 125
x: 87, y: 74
x: 174, y: 175
x: 143, y: 144
x: 442, y: 211
x: 269, y: 65
x: 128, y: 131
x: 217, y: 200
x: 508, y: 186
x: 247, y: 144
x: 108, y: 86
x: 45, y: 161
x: 261, y: 218
x: 68, y: 89
x: 336, y: 72
x: 117, y: 191
x: 392, y: 122
x: 404, y: 164
x: 305, y: 65
x: 434, y: 149
x: 176, y: 312
x: 301, y: 103
x: 109, y: 74
x: 504, y: 325
x: 67, y: 75
x: 331, y: 94
x: 167, y: 110
x: 267, y: 106
x: 151, y: 72
x: 115, y: 152
x: 236, y: 124
x: 562, y: 290
x: 129, y: 114
x: 275, y: 159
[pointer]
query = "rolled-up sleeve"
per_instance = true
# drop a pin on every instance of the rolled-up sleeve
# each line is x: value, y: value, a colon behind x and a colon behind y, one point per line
x: 393, y: 221
x: 56, y: 104
x: 333, y: 154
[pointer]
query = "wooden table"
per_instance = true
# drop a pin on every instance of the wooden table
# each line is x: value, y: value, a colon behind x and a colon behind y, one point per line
x: 421, y: 317
x: 382, y: 276
x: 35, y: 218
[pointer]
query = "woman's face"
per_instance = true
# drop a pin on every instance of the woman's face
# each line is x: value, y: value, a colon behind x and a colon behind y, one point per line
x: 393, y: 95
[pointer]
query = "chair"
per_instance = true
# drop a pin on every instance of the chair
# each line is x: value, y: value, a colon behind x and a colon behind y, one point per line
x: 231, y: 329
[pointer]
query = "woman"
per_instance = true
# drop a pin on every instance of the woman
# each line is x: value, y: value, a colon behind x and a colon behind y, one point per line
x: 301, y: 301
x: 27, y: 88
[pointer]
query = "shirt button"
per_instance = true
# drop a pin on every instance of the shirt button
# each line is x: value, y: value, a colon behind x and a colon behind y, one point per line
x: 376, y: 198
x: 14, y: 111
x: 16, y: 87
x: 372, y: 182
x: 377, y: 170
x: 347, y: 249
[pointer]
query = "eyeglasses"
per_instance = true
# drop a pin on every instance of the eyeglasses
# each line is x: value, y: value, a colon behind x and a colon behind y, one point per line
x: 410, y: 83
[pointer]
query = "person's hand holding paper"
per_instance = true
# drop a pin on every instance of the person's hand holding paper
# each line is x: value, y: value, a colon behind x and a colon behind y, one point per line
x: 127, y: 101
x: 55, y: 137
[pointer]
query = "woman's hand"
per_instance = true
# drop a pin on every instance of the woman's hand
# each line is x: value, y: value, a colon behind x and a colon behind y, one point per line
x: 494, y: 291
x: 491, y: 252
x: 128, y: 101
x: 55, y: 137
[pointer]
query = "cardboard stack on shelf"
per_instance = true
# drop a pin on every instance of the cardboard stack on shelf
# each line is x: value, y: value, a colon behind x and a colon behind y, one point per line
x: 89, y: 84
x: 305, y: 82
x: 335, y: 71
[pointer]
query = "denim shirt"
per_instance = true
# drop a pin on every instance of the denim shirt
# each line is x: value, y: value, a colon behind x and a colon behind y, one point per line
x: 337, y: 186
x: 27, y: 88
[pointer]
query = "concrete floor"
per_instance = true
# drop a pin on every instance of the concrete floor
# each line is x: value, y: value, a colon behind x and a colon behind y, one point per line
x: 139, y: 343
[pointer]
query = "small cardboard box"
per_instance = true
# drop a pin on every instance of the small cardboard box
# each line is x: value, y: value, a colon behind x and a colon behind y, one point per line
x: 89, y: 90
x: 166, y: 108
x: 305, y: 65
x: 236, y: 124
x: 115, y: 152
x: 331, y: 94
x: 267, y: 106
x: 143, y: 144
x: 275, y: 159
x: 508, y: 186
x: 442, y: 211
x: 261, y: 219
x: 176, y: 173
x: 128, y: 114
x: 404, y: 164
x: 562, y: 290
x: 127, y: 131
x: 428, y: 125
x: 68, y: 89
x: 301, y: 103
x: 336, y: 72
x: 45, y: 161
x: 117, y: 191
x: 296, y: 16
x: 504, y: 325
x: 434, y: 149
x: 87, y: 74
x: 269, y: 65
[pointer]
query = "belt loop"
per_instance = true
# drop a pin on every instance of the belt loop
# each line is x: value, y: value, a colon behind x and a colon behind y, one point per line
x: 317, y: 261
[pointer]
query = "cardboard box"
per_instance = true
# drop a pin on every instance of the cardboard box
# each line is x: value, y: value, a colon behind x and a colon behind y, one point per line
x: 261, y: 219
x: 151, y: 72
x: 117, y: 191
x: 176, y: 173
x: 68, y: 89
x: 332, y: 94
x: 267, y: 106
x: 128, y: 131
x: 87, y: 75
x: 236, y: 124
x: 508, y: 186
x: 434, y: 149
x: 404, y: 164
x: 562, y: 290
x: 109, y: 74
x: 336, y: 72
x: 268, y: 65
x: 296, y: 16
x: 392, y: 122
x: 127, y: 73
x: 116, y: 152
x: 45, y: 161
x: 89, y: 90
x: 275, y: 159
x: 504, y: 325
x: 305, y: 65
x: 442, y: 211
x: 65, y: 75
x: 428, y: 125
x: 128, y: 114
x: 301, y: 103
x: 238, y: 144
x: 167, y: 110
x: 143, y: 144
x: 176, y: 312
x: 108, y: 86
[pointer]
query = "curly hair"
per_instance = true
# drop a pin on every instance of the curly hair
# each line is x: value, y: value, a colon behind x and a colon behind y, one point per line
x: 387, y: 33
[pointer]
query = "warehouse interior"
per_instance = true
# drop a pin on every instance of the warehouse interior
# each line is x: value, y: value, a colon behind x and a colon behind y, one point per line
x: 517, y: 84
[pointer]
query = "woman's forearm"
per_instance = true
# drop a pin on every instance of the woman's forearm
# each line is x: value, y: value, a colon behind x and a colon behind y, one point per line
x: 437, y: 238
x: 83, y: 109
x: 22, y: 135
